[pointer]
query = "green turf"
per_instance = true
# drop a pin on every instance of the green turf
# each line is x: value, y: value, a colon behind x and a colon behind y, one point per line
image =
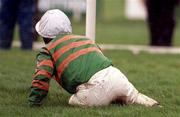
x: 123, y: 32
x: 155, y: 75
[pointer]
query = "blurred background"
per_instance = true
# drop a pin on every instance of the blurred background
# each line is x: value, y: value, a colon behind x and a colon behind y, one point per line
x: 118, y: 21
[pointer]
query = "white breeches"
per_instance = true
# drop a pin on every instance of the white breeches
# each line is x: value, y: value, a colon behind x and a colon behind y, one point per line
x: 104, y: 87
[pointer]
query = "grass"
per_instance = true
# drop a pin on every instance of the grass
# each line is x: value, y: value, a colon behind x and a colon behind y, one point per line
x: 113, y: 27
x: 155, y: 75
x: 123, y: 32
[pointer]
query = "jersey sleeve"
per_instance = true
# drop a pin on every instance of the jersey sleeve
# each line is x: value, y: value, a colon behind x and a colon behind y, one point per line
x: 41, y: 79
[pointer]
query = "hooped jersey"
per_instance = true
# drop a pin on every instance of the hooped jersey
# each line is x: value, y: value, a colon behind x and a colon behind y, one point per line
x: 72, y: 59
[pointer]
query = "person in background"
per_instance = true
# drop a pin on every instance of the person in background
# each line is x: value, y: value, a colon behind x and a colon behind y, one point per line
x: 161, y: 21
x: 12, y: 11
x: 36, y: 18
x: 79, y: 66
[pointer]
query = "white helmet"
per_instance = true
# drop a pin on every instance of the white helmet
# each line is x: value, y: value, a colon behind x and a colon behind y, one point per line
x: 53, y: 23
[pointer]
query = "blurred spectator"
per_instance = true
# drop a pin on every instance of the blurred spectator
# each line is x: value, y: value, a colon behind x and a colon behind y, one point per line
x: 21, y: 11
x: 161, y: 21
x: 36, y: 18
